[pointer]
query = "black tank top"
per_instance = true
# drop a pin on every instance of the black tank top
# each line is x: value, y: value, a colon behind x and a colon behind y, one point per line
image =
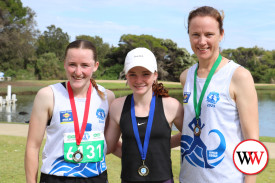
x: 158, y: 154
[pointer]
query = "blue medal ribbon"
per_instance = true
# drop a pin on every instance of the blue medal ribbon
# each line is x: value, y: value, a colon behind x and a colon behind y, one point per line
x: 143, y: 149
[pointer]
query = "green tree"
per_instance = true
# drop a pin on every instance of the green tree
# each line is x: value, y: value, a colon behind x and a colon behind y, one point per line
x: 53, y: 40
x: 128, y: 42
x: 102, y: 48
x: 175, y: 61
x: 257, y: 60
x: 48, y: 66
x: 171, y: 59
x: 17, y: 35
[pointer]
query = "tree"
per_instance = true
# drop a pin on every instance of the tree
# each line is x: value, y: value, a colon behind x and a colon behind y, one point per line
x: 258, y: 61
x: 17, y: 35
x: 12, y: 14
x: 48, y: 66
x: 128, y: 42
x: 171, y: 59
x: 53, y: 40
x: 175, y: 61
x: 102, y: 48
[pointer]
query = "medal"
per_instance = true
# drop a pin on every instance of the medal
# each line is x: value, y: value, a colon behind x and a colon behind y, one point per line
x: 197, y: 130
x: 77, y: 156
x: 197, y: 106
x: 143, y: 170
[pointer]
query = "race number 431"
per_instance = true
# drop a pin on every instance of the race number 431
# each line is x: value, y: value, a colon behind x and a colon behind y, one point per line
x: 250, y: 156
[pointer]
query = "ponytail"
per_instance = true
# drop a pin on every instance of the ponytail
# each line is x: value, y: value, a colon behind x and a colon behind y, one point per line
x: 101, y: 94
x: 159, y: 89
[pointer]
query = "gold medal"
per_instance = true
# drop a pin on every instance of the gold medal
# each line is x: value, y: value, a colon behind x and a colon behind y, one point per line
x: 77, y: 156
x: 143, y: 170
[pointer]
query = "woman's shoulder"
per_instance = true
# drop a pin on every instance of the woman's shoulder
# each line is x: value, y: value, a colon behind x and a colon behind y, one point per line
x: 116, y: 108
x: 183, y: 77
x: 170, y: 103
x: 45, y: 92
x: 242, y: 80
x: 241, y: 76
x: 118, y: 102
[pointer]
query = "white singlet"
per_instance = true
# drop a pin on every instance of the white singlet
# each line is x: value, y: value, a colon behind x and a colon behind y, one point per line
x: 209, y: 157
x: 62, y: 122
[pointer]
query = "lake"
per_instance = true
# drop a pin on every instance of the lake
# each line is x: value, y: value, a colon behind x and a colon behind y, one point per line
x: 266, y: 110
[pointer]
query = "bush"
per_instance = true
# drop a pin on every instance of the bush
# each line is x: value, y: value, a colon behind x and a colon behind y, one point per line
x: 111, y: 73
x: 49, y: 67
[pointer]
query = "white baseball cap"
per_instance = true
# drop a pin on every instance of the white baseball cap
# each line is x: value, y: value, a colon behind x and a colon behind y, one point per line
x: 140, y: 57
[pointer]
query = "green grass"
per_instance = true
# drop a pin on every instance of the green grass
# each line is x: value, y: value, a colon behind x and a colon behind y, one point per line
x: 268, y: 174
x: 12, y: 150
x: 32, y: 86
x: 267, y: 139
x: 265, y: 87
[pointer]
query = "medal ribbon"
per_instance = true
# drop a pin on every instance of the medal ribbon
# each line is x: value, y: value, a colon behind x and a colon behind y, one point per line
x: 79, y: 135
x: 208, y: 79
x: 143, y: 149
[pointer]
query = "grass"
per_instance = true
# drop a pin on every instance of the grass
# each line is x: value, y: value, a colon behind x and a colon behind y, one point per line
x: 265, y: 86
x: 32, y: 86
x: 12, y: 150
x: 267, y: 139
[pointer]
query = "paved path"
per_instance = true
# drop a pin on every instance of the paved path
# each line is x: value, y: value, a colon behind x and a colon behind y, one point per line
x: 22, y: 130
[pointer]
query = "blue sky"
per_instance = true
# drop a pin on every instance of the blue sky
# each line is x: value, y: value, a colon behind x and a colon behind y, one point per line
x: 247, y: 23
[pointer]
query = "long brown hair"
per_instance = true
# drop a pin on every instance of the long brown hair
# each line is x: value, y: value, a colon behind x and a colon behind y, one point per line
x: 84, y: 44
x: 159, y: 89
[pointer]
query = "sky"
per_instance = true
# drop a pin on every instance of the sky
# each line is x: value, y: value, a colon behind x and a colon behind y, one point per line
x: 247, y: 23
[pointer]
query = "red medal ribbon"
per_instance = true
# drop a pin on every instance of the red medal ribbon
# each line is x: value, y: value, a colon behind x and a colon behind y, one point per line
x: 78, y: 136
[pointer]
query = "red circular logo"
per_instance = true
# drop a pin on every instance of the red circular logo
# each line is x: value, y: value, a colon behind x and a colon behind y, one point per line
x: 250, y: 156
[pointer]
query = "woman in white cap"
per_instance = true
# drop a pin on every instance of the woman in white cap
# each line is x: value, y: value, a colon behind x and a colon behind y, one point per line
x: 144, y: 119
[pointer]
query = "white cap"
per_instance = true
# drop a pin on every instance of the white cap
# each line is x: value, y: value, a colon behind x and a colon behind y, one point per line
x: 140, y: 57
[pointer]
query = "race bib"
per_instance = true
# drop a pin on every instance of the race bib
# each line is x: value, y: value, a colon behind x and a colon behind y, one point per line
x: 91, y: 146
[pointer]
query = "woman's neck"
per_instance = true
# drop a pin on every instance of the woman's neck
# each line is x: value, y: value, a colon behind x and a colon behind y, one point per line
x: 142, y: 104
x: 81, y: 92
x: 205, y: 66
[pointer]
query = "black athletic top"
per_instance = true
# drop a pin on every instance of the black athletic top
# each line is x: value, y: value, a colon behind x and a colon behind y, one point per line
x: 158, y: 155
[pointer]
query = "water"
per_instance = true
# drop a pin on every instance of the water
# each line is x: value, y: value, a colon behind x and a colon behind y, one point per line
x: 266, y: 110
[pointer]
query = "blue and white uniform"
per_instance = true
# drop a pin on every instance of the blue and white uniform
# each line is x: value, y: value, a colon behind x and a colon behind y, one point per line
x: 62, y: 122
x: 209, y: 157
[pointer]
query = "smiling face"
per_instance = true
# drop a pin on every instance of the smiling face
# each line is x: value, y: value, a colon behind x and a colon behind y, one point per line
x: 140, y: 79
x: 79, y: 65
x: 204, y: 35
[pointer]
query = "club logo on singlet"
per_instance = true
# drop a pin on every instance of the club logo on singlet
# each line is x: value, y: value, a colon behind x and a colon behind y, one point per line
x: 100, y: 114
x: 186, y: 96
x: 61, y: 167
x: 212, y: 99
x: 195, y: 152
x: 66, y: 117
